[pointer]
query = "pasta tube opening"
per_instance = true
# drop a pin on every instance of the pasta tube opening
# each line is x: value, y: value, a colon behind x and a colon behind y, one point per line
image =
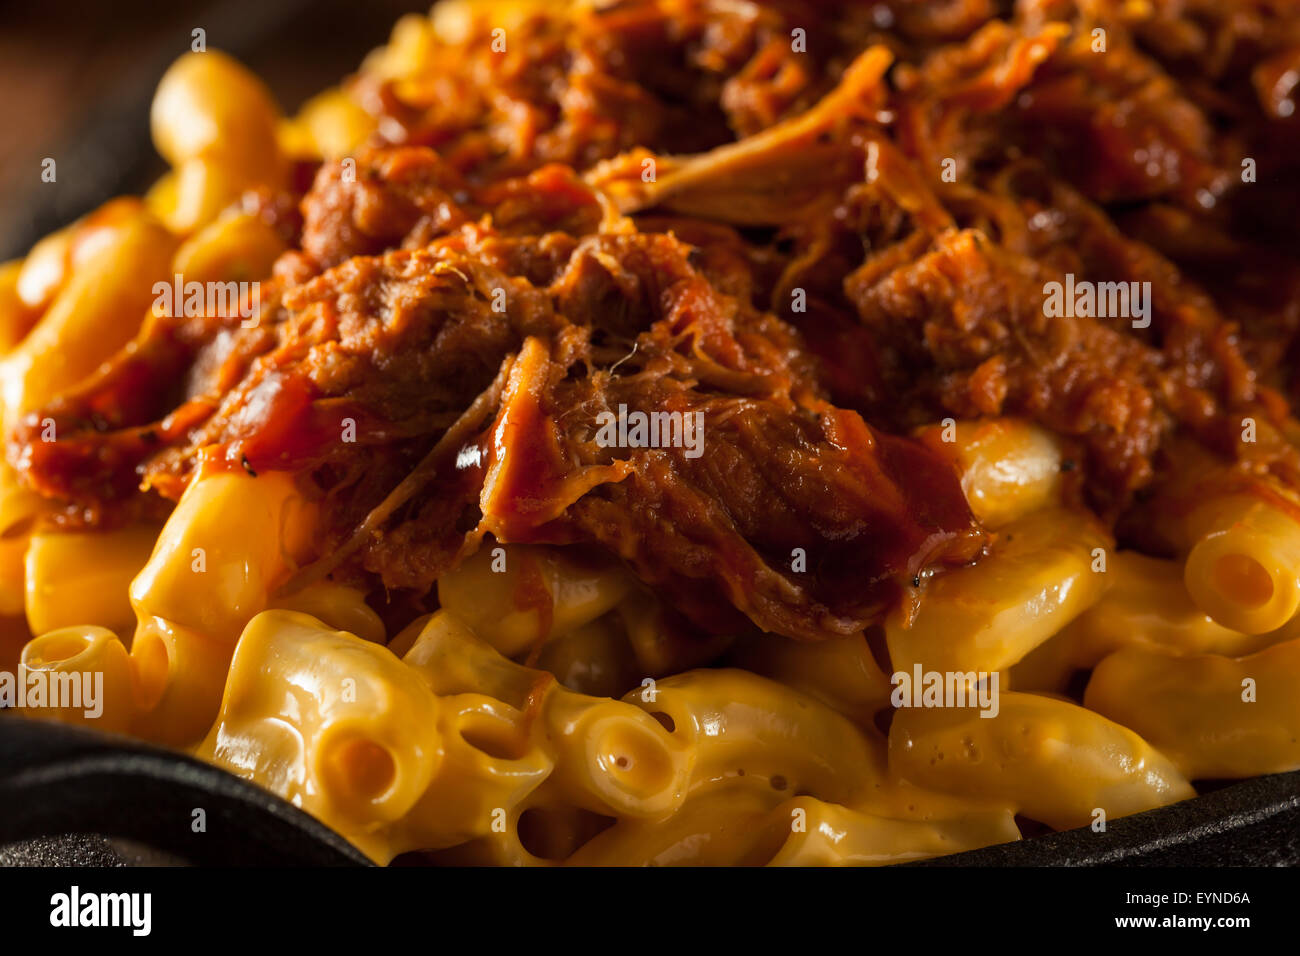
x: 90, y: 661
x: 1245, y: 572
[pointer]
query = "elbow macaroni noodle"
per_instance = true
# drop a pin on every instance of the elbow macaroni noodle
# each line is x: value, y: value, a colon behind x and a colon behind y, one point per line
x: 548, y: 713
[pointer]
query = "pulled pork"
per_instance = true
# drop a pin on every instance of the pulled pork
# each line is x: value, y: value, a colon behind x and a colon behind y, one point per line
x: 810, y: 230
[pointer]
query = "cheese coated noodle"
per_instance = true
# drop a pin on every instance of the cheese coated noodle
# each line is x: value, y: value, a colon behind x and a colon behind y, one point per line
x: 84, y: 654
x: 717, y: 827
x: 594, y: 659
x: 1009, y: 468
x: 341, y: 607
x: 609, y: 755
x: 1054, y: 761
x: 739, y: 724
x: 809, y: 832
x: 215, y: 122
x: 329, y: 124
x: 984, y: 618
x: 45, y: 269
x: 95, y: 312
x: 84, y: 578
x: 551, y: 593
x: 1215, y: 717
x: 225, y: 548
x: 1239, y: 536
x: 365, y: 745
x: 841, y: 674
x: 1147, y: 605
x: 1244, y: 568
x: 13, y: 575
x: 240, y: 247
x: 16, y: 316
x: 368, y: 747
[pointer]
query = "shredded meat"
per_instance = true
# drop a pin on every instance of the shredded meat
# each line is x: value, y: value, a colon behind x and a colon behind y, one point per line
x: 816, y: 229
x: 365, y: 364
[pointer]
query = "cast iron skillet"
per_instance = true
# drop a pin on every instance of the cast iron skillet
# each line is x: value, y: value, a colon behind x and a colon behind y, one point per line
x: 56, y: 779
x: 59, y: 780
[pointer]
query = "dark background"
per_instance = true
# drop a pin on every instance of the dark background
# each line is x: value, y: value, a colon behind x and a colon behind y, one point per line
x: 76, y: 79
